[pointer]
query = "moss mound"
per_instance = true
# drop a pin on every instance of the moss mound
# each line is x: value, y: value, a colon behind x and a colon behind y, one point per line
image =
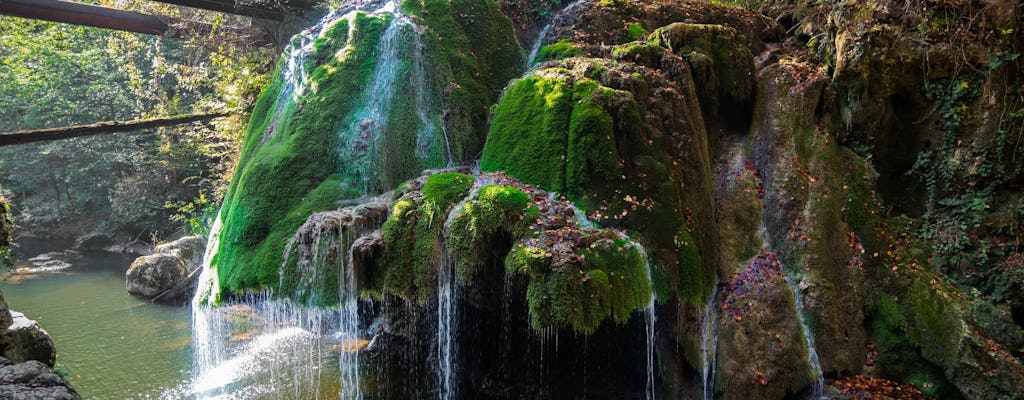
x: 589, y: 129
x: 307, y: 148
x: 577, y: 277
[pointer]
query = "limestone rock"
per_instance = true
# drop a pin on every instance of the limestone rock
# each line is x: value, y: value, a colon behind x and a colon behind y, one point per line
x: 189, y: 248
x: 32, y: 380
x: 23, y: 340
x: 150, y: 275
x: 762, y: 353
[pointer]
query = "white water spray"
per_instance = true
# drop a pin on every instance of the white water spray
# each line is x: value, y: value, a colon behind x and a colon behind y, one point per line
x: 709, y: 346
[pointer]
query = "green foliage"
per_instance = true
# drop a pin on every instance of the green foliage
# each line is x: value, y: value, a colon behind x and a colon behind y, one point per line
x: 196, y: 216
x: 558, y: 50
x: 54, y: 75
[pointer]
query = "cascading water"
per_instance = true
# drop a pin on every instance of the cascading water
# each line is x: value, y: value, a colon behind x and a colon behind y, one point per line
x: 818, y: 386
x: 361, y: 139
x: 709, y: 346
x: 446, y: 314
x: 447, y: 298
x: 537, y: 44
x: 651, y: 318
x: 265, y: 345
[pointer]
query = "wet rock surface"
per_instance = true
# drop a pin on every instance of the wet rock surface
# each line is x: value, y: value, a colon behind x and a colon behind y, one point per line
x: 32, y: 380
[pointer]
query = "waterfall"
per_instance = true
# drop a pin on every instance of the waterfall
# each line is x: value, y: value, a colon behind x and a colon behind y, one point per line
x: 709, y: 346
x: 651, y: 317
x: 288, y: 345
x: 537, y: 44
x: 446, y: 314
x: 321, y: 250
x: 818, y: 386
x: 362, y: 137
x: 203, y: 341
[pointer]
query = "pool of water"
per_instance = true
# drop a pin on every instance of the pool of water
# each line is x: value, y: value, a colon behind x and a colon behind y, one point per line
x: 110, y: 344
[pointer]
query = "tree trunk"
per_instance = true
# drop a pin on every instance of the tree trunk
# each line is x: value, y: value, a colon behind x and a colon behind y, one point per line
x: 40, y: 135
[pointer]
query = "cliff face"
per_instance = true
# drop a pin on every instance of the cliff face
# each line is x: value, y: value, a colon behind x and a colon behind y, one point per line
x: 830, y: 193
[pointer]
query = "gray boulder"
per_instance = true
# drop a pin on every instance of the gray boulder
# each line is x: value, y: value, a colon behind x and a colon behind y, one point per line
x: 189, y: 248
x: 151, y: 275
x: 21, y: 339
x: 32, y: 380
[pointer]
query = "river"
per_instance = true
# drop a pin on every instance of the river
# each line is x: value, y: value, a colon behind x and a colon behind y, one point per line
x: 110, y: 344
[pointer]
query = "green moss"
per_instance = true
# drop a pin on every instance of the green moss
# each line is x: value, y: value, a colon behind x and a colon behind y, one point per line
x: 643, y: 53
x: 442, y: 191
x: 593, y: 157
x: 296, y: 145
x: 635, y: 31
x: 936, y: 327
x: 558, y: 50
x: 285, y: 168
x: 494, y: 210
x: 731, y: 69
x: 898, y: 358
x: 473, y: 53
x: 607, y: 279
x: 695, y: 282
x: 409, y: 275
x: 567, y: 132
x: 529, y: 133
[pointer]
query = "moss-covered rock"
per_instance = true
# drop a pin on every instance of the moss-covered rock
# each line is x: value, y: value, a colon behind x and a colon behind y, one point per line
x: 579, y: 285
x: 592, y: 130
x: 317, y: 268
x: 762, y: 352
x: 494, y: 210
x: 806, y: 191
x: 337, y: 136
x: 723, y: 67
x: 577, y: 277
x: 558, y: 50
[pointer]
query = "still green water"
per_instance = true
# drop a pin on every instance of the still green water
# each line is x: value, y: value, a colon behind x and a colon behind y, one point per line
x: 110, y: 345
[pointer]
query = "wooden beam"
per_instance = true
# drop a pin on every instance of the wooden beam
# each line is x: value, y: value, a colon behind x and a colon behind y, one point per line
x: 41, y: 135
x: 230, y: 7
x: 84, y: 14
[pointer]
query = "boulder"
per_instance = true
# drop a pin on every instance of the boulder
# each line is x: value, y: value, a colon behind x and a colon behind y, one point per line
x: 23, y: 340
x: 172, y: 268
x: 151, y: 275
x: 189, y: 248
x: 32, y: 380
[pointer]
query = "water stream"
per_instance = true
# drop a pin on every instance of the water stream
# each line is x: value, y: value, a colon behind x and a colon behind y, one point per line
x: 110, y: 345
x: 709, y: 345
x: 651, y: 318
